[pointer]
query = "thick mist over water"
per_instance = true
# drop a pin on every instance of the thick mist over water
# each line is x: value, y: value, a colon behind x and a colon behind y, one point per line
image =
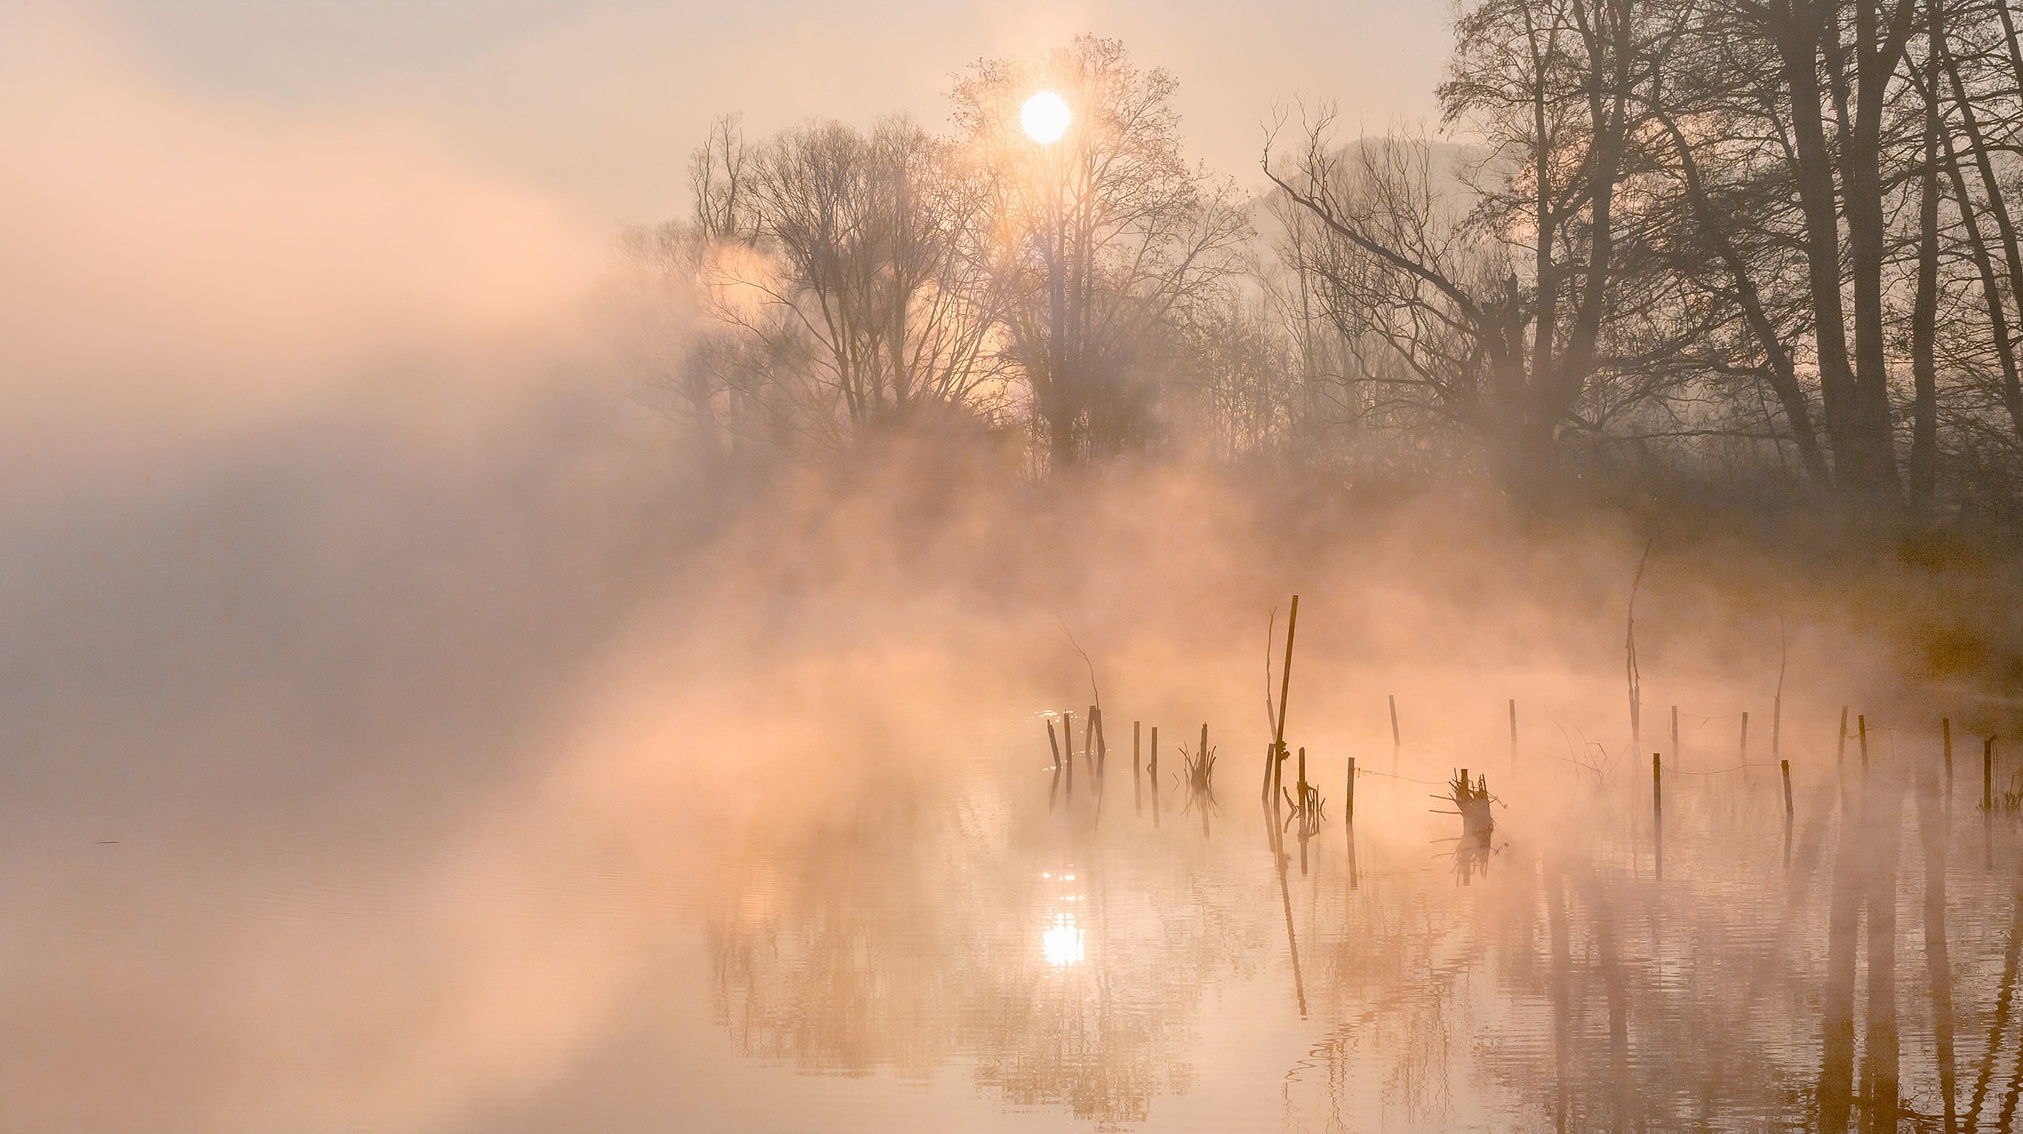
x: 400, y: 728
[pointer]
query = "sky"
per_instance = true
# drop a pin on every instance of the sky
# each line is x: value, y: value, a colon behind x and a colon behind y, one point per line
x: 598, y: 102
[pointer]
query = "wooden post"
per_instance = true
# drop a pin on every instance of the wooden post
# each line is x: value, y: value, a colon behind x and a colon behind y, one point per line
x: 1946, y: 731
x: 1285, y: 674
x: 1068, y: 734
x: 1745, y: 736
x: 1155, y: 775
x: 1513, y: 736
x: 1658, y: 810
x: 1861, y: 725
x: 1302, y: 777
x: 1089, y: 739
x: 1988, y: 776
x: 1102, y: 747
x: 1350, y: 807
x: 1395, y: 743
x: 1784, y: 766
x: 1137, y: 784
x: 1055, y: 745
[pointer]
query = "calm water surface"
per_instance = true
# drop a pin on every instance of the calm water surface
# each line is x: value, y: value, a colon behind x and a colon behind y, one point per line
x: 967, y: 942
x: 993, y: 952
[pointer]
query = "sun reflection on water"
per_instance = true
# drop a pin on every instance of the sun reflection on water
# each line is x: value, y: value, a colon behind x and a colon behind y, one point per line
x: 1062, y: 942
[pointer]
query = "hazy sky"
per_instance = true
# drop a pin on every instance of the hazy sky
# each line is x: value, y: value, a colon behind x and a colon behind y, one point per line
x: 599, y: 101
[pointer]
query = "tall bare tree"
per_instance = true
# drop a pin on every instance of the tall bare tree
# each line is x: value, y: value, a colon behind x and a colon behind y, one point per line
x: 861, y: 255
x: 1106, y: 236
x: 1513, y: 312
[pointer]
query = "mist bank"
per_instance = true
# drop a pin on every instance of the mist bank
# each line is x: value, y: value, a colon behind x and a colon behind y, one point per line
x: 380, y: 660
x: 374, y: 782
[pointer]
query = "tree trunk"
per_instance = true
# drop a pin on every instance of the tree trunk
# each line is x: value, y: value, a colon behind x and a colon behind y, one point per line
x: 1864, y: 467
x: 1924, y: 463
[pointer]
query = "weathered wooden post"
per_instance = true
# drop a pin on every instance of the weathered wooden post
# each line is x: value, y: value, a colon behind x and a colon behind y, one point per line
x: 1068, y: 735
x: 1349, y: 807
x: 1054, y: 744
x: 1155, y: 775
x: 1278, y: 752
x: 1137, y: 786
x: 1861, y: 727
x: 1102, y: 746
x: 1513, y: 736
x: 1777, y: 721
x: 1396, y: 744
x: 1302, y: 792
x: 1658, y: 810
x: 1744, y: 748
x: 1946, y: 733
x: 1784, y: 767
x: 1988, y: 776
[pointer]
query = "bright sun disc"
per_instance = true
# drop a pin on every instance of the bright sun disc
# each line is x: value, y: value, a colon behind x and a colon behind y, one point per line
x: 1045, y: 117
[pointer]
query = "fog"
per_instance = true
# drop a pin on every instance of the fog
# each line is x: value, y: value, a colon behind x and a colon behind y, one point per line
x: 393, y: 701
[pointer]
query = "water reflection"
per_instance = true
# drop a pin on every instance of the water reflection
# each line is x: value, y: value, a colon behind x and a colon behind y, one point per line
x: 1094, y: 969
x: 1062, y: 942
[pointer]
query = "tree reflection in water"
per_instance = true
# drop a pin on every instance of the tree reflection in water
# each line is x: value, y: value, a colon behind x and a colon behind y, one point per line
x: 1064, y: 966
x: 921, y: 932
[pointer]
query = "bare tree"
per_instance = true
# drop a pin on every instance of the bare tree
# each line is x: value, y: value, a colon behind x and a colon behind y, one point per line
x: 861, y: 257
x: 1106, y: 236
x: 1508, y: 319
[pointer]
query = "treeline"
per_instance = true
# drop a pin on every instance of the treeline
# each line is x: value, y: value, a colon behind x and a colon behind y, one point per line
x: 1767, y: 243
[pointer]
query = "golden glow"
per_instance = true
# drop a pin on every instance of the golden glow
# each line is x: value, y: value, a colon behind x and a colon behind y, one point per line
x: 1061, y: 944
x: 1045, y: 117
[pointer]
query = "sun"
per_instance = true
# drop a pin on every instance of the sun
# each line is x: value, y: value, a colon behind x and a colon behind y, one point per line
x: 1045, y: 117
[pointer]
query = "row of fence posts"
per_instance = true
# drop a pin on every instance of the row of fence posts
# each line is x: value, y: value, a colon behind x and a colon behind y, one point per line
x: 1095, y: 752
x: 1784, y: 772
x: 1095, y: 757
